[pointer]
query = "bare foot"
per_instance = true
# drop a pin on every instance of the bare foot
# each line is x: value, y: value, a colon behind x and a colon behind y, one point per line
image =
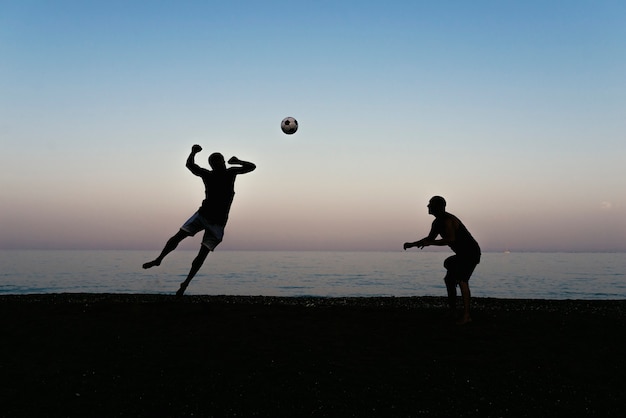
x: 182, y: 289
x: 152, y: 263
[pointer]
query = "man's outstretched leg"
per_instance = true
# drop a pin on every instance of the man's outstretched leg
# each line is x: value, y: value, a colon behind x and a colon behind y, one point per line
x: 170, y: 246
x: 195, y: 266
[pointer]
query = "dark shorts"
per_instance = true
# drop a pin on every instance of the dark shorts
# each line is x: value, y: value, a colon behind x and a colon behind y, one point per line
x: 213, y: 234
x: 461, y: 268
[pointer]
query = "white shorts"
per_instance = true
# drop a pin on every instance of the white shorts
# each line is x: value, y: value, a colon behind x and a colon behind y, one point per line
x: 213, y: 234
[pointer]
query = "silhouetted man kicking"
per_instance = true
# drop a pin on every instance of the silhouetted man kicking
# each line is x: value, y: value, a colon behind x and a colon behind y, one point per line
x: 219, y: 185
x: 467, y: 252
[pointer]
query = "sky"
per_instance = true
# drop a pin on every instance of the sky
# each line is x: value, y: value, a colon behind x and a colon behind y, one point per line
x: 514, y: 111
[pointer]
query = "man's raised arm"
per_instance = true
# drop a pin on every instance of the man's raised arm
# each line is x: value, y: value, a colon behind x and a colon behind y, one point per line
x: 246, y: 166
x: 191, y: 163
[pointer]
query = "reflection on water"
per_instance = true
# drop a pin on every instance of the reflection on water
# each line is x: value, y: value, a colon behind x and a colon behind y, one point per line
x: 333, y: 274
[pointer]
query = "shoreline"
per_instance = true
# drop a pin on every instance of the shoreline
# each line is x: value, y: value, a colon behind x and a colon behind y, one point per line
x: 160, y: 297
x: 138, y: 355
x: 607, y: 306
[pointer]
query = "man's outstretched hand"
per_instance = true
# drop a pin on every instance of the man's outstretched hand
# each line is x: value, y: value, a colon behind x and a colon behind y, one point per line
x: 196, y: 148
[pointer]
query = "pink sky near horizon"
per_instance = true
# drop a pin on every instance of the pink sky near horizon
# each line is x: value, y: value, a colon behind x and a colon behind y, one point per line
x: 349, y: 216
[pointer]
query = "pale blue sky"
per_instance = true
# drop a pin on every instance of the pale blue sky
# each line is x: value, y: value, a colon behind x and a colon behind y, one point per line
x: 513, y: 110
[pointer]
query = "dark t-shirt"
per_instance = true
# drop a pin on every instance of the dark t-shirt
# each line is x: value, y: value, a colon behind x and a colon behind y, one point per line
x: 219, y: 191
x: 464, y: 243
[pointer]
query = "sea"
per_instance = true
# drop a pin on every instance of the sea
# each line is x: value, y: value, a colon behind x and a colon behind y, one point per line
x: 509, y: 275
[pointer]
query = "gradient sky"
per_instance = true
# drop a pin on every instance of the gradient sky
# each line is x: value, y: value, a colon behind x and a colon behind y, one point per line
x: 514, y: 111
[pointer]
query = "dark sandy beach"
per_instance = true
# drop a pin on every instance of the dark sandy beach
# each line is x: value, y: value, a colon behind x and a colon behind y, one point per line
x: 84, y: 355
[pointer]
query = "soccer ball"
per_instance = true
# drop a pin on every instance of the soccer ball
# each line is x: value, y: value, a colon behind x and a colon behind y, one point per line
x: 289, y: 125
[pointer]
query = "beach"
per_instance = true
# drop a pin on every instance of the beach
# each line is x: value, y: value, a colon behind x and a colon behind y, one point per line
x: 136, y: 355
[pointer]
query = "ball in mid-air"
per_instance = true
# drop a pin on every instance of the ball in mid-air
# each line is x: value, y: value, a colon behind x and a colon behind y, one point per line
x: 289, y: 125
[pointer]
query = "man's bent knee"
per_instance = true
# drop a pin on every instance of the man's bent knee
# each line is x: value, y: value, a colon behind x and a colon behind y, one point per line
x: 449, y: 280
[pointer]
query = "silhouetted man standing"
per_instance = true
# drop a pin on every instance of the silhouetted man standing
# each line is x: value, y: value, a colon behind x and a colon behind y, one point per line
x: 219, y: 184
x: 467, y: 252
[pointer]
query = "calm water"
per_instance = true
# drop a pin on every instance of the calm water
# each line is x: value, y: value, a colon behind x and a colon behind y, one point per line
x: 332, y: 274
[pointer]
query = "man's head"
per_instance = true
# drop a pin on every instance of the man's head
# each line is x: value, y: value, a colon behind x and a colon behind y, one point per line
x: 216, y: 160
x: 436, y: 205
